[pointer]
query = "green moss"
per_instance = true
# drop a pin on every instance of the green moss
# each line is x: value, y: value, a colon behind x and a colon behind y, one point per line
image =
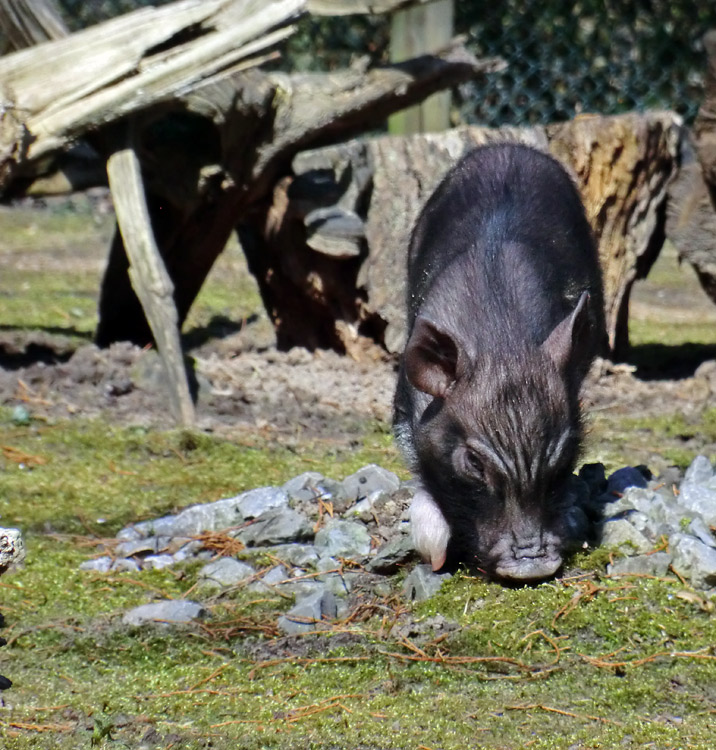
x: 612, y: 655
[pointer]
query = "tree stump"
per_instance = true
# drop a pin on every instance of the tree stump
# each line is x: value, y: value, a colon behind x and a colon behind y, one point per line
x: 329, y: 253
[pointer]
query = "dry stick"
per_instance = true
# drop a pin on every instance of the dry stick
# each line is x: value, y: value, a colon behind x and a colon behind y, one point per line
x: 600, y: 661
x: 149, y: 276
x: 215, y: 673
x: 304, y: 660
x: 551, y: 709
x: 20, y: 457
x: 296, y: 714
x: 37, y: 727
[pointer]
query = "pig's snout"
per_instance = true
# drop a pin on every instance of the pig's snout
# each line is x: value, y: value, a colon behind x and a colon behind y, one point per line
x: 429, y: 528
x: 527, y: 558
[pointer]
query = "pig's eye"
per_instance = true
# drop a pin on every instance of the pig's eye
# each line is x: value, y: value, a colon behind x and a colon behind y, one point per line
x: 473, y: 463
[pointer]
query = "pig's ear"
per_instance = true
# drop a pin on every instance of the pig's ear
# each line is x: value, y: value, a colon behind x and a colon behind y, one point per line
x: 569, y: 341
x: 431, y: 359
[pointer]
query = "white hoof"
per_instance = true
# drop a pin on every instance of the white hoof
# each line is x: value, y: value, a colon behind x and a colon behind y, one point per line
x: 429, y: 528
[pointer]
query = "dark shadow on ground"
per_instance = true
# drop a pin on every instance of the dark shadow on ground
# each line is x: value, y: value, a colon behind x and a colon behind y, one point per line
x: 219, y: 327
x: 669, y: 362
x: 22, y: 347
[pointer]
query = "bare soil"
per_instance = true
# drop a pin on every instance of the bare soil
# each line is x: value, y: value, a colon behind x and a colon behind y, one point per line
x: 244, y: 383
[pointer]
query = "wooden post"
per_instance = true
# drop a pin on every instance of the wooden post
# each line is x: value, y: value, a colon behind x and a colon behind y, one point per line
x: 417, y: 31
x: 149, y: 276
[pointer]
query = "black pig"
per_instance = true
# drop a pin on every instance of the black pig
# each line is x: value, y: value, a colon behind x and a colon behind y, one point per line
x: 505, y: 315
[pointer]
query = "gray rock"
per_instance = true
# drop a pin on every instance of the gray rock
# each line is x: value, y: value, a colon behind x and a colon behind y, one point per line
x: 331, y: 491
x: 187, y: 552
x: 699, y: 499
x: 340, y: 584
x: 656, y: 564
x: 702, y: 532
x: 624, y: 478
x: 643, y: 524
x: 366, y: 510
x: 222, y: 514
x: 422, y: 583
x: 693, y: 560
x: 277, y: 526
x: 633, y: 498
x: 327, y: 564
x: 137, y: 547
x: 254, y: 503
x: 300, y: 555
x: 224, y: 572
x: 303, y: 487
x: 308, y: 613
x: 302, y: 587
x: 346, y: 539
x: 269, y: 581
x: 100, y: 564
x: 157, y: 562
x: 700, y: 471
x: 621, y: 535
x: 665, y: 510
x: 368, y: 480
x: 128, y: 534
x: 392, y: 555
x: 124, y: 564
x: 167, y: 612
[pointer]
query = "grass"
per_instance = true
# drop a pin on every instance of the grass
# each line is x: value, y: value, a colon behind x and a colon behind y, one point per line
x: 584, y: 662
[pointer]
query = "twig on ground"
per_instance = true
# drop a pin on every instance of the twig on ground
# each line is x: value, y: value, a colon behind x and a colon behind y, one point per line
x: 551, y: 709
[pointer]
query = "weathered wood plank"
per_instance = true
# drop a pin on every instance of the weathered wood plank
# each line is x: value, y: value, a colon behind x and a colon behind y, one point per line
x: 149, y: 276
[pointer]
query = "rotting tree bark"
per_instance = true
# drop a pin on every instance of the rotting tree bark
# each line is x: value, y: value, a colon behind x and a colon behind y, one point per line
x: 348, y: 197
x: 691, y: 224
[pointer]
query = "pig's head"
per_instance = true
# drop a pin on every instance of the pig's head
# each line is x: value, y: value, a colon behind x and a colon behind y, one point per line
x: 497, y: 446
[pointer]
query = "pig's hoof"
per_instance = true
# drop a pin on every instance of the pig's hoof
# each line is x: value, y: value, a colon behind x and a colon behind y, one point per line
x: 429, y: 528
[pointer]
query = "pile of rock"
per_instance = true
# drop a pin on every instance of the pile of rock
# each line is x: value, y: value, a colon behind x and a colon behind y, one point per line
x: 325, y: 538
x: 664, y: 523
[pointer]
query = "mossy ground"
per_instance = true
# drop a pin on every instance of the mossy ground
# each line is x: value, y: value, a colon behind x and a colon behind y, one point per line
x: 583, y: 662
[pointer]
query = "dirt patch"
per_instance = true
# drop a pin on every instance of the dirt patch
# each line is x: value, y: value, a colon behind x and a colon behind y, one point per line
x: 244, y: 384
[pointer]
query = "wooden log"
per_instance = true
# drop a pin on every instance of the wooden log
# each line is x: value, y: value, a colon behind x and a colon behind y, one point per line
x: 622, y: 166
x: 149, y: 277
x: 128, y: 64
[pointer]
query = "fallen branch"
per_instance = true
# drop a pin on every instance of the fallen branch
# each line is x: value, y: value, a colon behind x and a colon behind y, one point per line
x: 551, y: 709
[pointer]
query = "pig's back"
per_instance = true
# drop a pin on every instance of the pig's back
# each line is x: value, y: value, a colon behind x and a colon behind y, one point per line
x: 500, y: 197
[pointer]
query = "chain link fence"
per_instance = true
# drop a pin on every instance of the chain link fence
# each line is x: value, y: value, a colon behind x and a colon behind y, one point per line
x: 564, y: 58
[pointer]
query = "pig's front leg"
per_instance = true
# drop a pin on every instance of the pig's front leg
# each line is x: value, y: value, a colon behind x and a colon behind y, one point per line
x: 429, y: 528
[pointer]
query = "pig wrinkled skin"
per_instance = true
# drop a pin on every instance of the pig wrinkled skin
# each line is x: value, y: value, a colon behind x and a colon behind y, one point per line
x: 505, y: 315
